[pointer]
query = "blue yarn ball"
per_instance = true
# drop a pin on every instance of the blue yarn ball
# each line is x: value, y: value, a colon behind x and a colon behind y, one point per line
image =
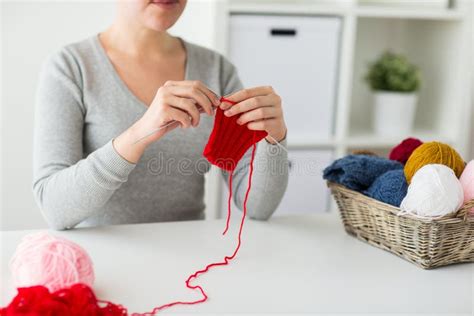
x: 358, y: 172
x: 391, y: 187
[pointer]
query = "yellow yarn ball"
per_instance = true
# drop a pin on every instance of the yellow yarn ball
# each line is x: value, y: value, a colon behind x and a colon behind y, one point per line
x: 434, y: 153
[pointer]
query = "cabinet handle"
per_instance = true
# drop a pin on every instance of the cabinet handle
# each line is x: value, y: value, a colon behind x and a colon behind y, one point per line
x: 283, y: 32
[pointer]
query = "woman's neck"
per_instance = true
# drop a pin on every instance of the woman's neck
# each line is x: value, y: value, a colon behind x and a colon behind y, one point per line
x: 139, y: 41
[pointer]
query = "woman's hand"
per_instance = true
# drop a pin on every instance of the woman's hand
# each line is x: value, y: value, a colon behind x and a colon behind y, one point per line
x: 179, y: 101
x: 259, y: 108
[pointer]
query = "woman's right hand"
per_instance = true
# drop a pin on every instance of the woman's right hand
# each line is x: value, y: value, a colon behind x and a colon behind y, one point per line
x: 178, y: 101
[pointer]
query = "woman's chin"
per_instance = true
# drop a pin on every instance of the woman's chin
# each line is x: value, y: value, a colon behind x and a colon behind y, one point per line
x: 161, y: 17
x: 159, y: 25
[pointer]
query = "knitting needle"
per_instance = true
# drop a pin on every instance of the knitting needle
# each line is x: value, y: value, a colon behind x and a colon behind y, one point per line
x: 277, y: 143
x: 201, y: 110
x: 173, y: 122
x: 217, y: 95
x: 155, y: 131
x: 159, y: 129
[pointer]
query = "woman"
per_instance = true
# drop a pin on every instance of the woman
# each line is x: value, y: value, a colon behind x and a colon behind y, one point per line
x: 97, y: 97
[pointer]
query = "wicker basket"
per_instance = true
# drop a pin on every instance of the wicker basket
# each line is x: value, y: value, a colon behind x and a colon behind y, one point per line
x: 428, y: 243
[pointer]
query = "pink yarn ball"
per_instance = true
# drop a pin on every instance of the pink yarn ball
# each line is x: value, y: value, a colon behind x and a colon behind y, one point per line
x: 54, y: 262
x: 467, y: 181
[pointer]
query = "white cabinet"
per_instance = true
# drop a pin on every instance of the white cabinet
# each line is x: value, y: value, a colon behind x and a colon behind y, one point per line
x: 298, y: 56
x: 307, y: 192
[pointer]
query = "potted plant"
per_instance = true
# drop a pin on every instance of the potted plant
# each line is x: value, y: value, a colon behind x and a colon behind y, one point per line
x: 395, y: 83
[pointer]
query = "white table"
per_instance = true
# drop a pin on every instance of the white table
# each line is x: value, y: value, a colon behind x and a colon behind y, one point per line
x: 287, y: 265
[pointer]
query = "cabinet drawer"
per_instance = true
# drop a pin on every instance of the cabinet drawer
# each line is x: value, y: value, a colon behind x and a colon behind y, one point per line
x: 306, y: 192
x: 298, y: 56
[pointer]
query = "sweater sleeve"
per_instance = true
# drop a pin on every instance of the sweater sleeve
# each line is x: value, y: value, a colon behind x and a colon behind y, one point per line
x: 270, y: 175
x: 67, y: 186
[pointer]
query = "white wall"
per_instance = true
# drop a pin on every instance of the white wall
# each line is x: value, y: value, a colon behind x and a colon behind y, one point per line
x: 472, y: 81
x: 471, y: 46
x: 30, y: 31
x: 1, y: 117
x: 472, y: 108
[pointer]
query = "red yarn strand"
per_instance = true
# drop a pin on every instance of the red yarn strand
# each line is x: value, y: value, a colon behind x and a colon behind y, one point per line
x: 229, y: 200
x: 229, y: 204
x: 226, y: 258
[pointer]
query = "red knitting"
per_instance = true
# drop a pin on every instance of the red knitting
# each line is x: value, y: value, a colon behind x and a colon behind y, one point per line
x: 229, y: 141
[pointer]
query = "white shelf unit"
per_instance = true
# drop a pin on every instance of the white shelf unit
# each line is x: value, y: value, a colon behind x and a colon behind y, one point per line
x: 397, y: 13
x: 435, y: 39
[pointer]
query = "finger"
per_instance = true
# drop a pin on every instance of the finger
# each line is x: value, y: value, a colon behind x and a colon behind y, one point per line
x: 180, y: 116
x: 208, y: 92
x: 257, y: 114
x: 245, y: 94
x: 226, y: 104
x: 262, y: 125
x: 252, y: 103
x: 198, y: 85
x: 187, y: 91
x: 187, y: 105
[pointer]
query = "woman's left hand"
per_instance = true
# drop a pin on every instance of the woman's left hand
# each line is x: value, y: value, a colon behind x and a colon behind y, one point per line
x: 259, y: 108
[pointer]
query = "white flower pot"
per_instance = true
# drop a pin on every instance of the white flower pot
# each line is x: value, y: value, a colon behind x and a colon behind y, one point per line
x: 394, y: 113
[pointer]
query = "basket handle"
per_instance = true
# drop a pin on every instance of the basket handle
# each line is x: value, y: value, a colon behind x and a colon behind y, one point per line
x: 463, y: 212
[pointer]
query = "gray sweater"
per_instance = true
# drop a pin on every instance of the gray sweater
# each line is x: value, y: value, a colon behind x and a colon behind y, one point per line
x: 79, y: 178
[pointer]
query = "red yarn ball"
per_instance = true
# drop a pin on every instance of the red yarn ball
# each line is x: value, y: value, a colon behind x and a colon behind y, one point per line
x: 402, y: 151
x: 77, y: 300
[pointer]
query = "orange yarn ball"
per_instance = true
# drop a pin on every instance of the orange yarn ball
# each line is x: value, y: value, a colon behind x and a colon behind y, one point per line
x: 434, y: 153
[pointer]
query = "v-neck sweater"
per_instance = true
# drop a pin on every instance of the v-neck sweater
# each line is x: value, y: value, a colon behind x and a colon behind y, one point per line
x: 82, y: 104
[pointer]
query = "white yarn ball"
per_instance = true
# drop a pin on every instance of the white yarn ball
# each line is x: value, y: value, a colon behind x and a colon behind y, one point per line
x: 434, y: 191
